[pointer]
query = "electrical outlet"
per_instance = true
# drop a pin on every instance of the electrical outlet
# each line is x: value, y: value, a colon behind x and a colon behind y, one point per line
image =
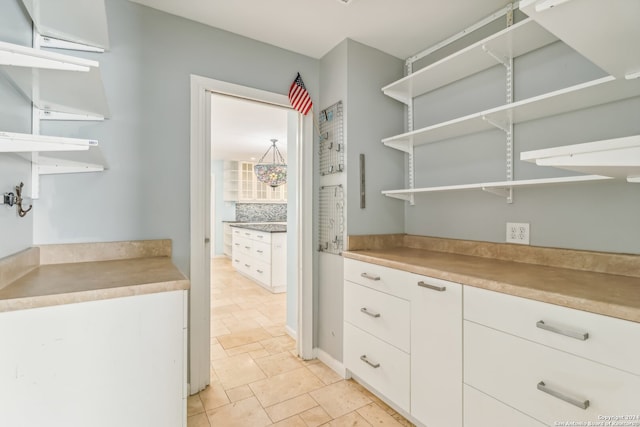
x: 518, y: 232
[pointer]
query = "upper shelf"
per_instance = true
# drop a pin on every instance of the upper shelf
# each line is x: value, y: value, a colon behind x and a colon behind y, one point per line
x: 27, y: 143
x: 511, y: 42
x: 619, y: 157
x: 78, y: 21
x: 55, y: 82
x: 605, y: 32
x: 584, y: 95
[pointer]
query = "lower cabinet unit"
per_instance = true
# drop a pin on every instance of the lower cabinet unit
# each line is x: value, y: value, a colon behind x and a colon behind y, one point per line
x: 521, y: 362
x: 262, y: 256
x: 554, y: 364
x: 113, y: 362
x: 403, y: 339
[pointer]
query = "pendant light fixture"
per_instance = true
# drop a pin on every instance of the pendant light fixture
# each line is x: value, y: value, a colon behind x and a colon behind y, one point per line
x: 273, y: 174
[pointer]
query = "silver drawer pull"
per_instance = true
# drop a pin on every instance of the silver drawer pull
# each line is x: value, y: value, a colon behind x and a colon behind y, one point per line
x: 259, y: 237
x: 434, y: 287
x: 259, y: 251
x: 247, y: 265
x: 370, y: 276
x: 247, y: 234
x: 260, y: 271
x: 368, y: 313
x: 237, y: 244
x: 582, y: 336
x: 368, y: 362
x: 582, y: 404
x: 247, y: 247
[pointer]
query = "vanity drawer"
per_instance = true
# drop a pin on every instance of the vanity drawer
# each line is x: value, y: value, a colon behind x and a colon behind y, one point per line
x: 260, y: 271
x: 261, y: 251
x: 614, y: 342
x: 243, y: 245
x: 481, y: 410
x: 382, y: 315
x: 387, y: 370
x: 526, y: 375
x: 384, y: 279
x: 261, y: 236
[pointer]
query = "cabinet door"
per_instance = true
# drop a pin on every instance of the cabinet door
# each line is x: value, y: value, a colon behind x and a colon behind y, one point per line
x: 436, y: 352
x: 247, y: 181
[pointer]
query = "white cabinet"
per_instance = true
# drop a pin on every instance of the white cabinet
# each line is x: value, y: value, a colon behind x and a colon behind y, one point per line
x: 262, y: 256
x: 436, y: 352
x: 242, y: 185
x: 403, y: 338
x: 114, y: 362
x: 551, y: 363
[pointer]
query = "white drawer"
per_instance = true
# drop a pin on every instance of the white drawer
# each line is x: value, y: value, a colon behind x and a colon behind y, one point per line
x: 384, y: 279
x: 261, y: 236
x: 243, y: 245
x: 382, y: 315
x: 481, y: 410
x: 261, y: 251
x: 512, y: 370
x: 611, y: 341
x: 261, y: 271
x: 389, y: 374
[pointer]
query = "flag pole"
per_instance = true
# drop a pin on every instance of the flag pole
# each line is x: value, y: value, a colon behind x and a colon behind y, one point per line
x: 315, y: 121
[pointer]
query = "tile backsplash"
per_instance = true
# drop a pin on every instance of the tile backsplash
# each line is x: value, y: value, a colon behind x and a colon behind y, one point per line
x: 261, y: 212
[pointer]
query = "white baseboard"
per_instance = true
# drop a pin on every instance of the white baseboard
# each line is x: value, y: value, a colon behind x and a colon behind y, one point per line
x: 291, y: 332
x: 332, y: 363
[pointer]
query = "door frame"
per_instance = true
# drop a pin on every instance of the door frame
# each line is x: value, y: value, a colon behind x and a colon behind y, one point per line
x: 200, y: 243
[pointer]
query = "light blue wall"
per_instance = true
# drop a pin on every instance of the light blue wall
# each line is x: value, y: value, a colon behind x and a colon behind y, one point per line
x: 600, y: 216
x: 145, y: 193
x: 224, y: 211
x: 16, y: 233
x: 354, y: 73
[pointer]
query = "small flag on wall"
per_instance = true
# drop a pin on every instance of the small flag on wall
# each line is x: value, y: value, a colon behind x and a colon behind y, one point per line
x: 299, y: 97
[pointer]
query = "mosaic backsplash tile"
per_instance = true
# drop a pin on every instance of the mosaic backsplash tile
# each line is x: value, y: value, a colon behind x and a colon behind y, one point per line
x: 261, y: 212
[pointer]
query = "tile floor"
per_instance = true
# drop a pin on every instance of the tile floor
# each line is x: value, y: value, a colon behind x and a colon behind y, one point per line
x: 256, y: 377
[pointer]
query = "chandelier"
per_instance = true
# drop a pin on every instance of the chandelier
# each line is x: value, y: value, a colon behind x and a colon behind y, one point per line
x: 274, y: 173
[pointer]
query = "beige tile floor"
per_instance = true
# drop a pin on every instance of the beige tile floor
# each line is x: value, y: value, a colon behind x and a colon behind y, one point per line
x: 256, y: 377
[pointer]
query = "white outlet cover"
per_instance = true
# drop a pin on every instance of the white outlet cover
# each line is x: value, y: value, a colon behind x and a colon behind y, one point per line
x: 518, y: 232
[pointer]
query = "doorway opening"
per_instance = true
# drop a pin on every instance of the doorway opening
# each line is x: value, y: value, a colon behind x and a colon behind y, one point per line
x: 298, y: 221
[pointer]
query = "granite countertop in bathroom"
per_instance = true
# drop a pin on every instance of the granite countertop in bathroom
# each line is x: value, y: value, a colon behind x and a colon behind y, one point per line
x: 63, y: 274
x: 596, y: 282
x: 268, y: 228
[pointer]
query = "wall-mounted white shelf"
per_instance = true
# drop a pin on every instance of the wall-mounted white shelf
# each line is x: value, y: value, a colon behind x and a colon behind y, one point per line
x: 27, y: 143
x: 79, y: 21
x: 584, y: 95
x: 52, y: 154
x: 55, y: 82
x: 619, y: 157
x: 498, y: 187
x: 605, y: 32
x: 511, y: 42
x: 71, y: 162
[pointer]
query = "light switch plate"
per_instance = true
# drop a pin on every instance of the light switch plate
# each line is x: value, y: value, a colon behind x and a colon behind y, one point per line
x: 518, y: 232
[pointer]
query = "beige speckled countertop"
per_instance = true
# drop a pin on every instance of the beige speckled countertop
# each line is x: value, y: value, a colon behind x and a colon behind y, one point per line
x: 85, y: 272
x: 571, y: 285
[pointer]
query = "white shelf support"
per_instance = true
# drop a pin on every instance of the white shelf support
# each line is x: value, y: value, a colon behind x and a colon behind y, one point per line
x: 506, y: 192
x: 53, y: 43
x: 58, y: 115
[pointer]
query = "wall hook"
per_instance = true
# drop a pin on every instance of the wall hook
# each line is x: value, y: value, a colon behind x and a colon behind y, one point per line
x: 16, y: 199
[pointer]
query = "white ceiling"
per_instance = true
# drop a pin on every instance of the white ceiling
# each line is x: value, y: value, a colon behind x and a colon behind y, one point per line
x: 313, y: 27
x: 242, y: 130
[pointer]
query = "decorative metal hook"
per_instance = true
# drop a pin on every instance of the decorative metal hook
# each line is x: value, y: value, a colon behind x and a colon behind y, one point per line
x: 18, y: 201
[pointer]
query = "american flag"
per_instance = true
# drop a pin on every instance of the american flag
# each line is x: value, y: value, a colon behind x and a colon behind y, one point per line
x: 299, y: 97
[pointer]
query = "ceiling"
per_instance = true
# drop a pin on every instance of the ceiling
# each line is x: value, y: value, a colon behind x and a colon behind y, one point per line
x: 242, y: 129
x: 313, y: 27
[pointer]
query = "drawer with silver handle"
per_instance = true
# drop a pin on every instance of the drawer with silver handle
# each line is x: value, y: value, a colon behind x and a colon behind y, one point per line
x: 378, y: 364
x: 382, y: 315
x: 383, y: 279
x: 547, y: 384
x: 589, y: 335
